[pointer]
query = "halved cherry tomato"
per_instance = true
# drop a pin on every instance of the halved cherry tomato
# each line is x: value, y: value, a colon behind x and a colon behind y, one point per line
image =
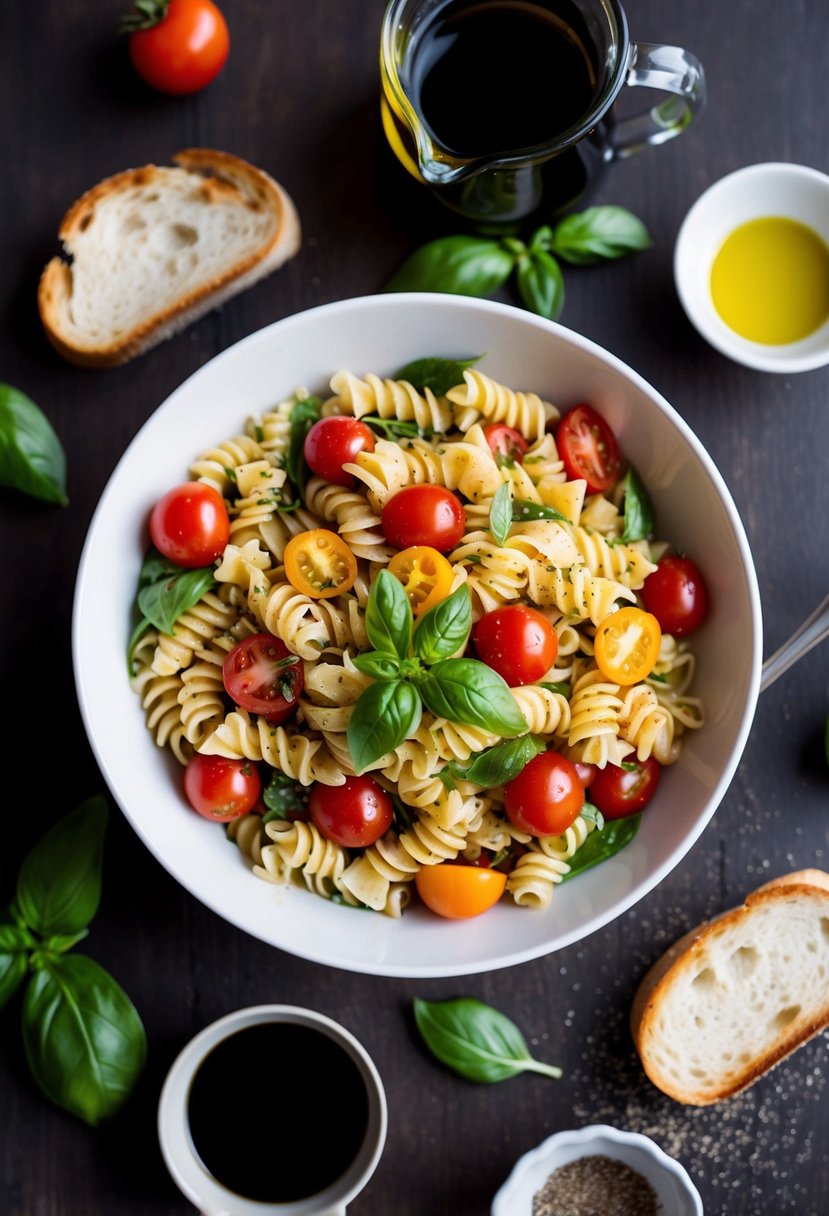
x: 426, y: 575
x: 619, y: 790
x: 676, y: 595
x: 221, y: 789
x: 627, y: 645
x: 319, y: 563
x: 354, y: 814
x: 333, y: 442
x: 263, y: 676
x: 588, y: 448
x: 190, y: 524
x: 424, y: 515
x: 516, y: 641
x: 507, y: 445
x: 459, y: 891
x: 177, y: 46
x: 546, y: 796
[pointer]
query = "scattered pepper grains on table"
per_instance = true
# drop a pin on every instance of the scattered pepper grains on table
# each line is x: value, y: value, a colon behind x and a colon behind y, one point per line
x: 596, y: 1185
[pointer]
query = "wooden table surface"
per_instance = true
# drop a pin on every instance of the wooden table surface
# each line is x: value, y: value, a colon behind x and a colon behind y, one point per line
x: 299, y: 97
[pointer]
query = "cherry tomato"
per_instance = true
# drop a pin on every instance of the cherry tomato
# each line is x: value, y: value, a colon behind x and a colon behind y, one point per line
x: 676, y: 595
x: 425, y: 574
x: 546, y: 796
x: 459, y: 891
x: 180, y: 46
x: 221, y: 789
x: 517, y: 642
x: 619, y: 790
x: 507, y: 445
x: 588, y: 448
x: 627, y: 645
x: 354, y: 814
x: 190, y: 524
x: 319, y: 563
x: 333, y: 442
x: 586, y: 773
x: 424, y: 515
x: 263, y: 676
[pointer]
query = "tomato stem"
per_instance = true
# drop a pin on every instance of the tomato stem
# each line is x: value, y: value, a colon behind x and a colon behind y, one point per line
x: 144, y: 15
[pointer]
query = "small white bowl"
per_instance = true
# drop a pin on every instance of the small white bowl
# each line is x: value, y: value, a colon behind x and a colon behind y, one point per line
x: 791, y: 191
x: 673, y: 1188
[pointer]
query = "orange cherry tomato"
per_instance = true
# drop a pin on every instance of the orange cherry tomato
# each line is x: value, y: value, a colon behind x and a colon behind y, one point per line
x: 425, y: 574
x: 459, y: 891
x: 627, y: 645
x: 320, y: 564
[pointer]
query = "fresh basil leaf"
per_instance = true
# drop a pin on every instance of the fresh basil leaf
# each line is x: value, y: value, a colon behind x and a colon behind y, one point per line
x: 541, y: 284
x: 303, y: 416
x: 436, y: 373
x: 476, y: 1041
x: 378, y: 665
x: 59, y: 884
x: 389, y: 616
x: 500, y: 513
x: 498, y: 765
x: 542, y: 238
x: 60, y: 943
x: 598, y: 234
x: 560, y: 686
x: 464, y: 690
x: 392, y: 428
x: 602, y: 844
x: 444, y: 629
x: 163, y: 602
x: 284, y: 798
x: 32, y: 459
x: 638, y: 510
x: 591, y: 814
x: 382, y: 718
x: 523, y: 510
x: 84, y: 1041
x: 15, y: 944
x: 459, y: 265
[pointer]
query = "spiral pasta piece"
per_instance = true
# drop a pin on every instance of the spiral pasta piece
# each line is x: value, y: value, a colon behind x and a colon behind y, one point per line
x: 546, y: 712
x: 482, y: 397
x: 628, y: 564
x: 391, y: 399
x: 201, y: 699
x: 357, y: 523
x: 192, y: 629
x: 531, y: 881
x: 576, y: 592
x: 299, y: 756
x: 595, y: 706
x: 159, y: 698
x: 259, y: 486
x: 217, y: 465
x: 394, y: 466
x: 302, y: 847
x: 647, y: 725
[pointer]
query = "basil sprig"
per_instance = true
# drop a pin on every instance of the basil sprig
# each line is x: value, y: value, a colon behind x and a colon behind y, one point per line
x: 495, y: 765
x: 480, y: 265
x: 83, y: 1039
x: 165, y: 592
x: 414, y: 667
x: 638, y: 512
x: 603, y: 843
x: 476, y: 1041
x: 436, y: 373
x: 32, y: 459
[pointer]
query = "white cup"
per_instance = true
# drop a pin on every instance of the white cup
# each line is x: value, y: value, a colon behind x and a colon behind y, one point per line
x: 193, y: 1177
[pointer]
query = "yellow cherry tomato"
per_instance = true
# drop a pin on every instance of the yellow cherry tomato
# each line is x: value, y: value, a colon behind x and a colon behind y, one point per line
x: 459, y: 891
x: 627, y: 645
x: 426, y: 575
x: 320, y: 564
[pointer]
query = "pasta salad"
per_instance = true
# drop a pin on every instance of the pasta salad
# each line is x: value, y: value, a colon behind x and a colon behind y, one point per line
x: 417, y: 636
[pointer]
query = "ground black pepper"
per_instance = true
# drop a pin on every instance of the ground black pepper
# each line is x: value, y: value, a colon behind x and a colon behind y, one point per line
x: 596, y: 1186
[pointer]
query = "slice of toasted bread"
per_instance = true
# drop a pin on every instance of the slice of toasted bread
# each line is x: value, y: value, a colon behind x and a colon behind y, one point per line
x: 733, y: 997
x: 152, y: 249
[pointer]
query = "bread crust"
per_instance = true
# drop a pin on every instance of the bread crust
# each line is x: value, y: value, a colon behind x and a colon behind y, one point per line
x: 685, y: 954
x: 224, y: 177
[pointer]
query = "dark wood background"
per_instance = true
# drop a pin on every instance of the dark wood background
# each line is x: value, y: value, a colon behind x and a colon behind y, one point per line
x: 299, y: 97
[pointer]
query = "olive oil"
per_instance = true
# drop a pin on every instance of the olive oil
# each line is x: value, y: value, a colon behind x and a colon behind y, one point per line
x: 770, y: 281
x: 502, y: 75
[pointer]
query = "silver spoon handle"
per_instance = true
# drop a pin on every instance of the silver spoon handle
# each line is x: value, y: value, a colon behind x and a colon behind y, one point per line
x: 813, y: 630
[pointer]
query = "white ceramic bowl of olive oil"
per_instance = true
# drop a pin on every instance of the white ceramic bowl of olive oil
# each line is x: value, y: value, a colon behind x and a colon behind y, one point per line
x: 751, y: 266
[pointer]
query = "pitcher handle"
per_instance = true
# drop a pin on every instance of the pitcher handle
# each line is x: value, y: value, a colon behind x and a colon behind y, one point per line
x: 673, y: 70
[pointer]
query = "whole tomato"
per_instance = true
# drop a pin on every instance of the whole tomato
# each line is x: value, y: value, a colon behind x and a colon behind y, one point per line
x: 177, y: 46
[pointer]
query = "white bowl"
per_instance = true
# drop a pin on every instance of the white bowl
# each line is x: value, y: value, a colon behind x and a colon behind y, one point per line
x: 775, y: 189
x: 670, y: 1181
x: 694, y: 510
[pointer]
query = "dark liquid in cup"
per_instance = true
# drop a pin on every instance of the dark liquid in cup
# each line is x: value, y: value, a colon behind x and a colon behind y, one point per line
x: 502, y: 75
x: 277, y: 1112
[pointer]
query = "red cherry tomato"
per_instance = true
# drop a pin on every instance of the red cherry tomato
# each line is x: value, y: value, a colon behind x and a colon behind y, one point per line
x: 182, y: 49
x: 190, y: 524
x: 221, y: 789
x: 676, y: 595
x: 333, y: 442
x: 546, y: 796
x: 354, y: 814
x: 264, y: 677
x: 459, y: 891
x: 622, y: 790
x: 424, y: 515
x: 588, y: 448
x: 517, y: 642
x: 507, y: 445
